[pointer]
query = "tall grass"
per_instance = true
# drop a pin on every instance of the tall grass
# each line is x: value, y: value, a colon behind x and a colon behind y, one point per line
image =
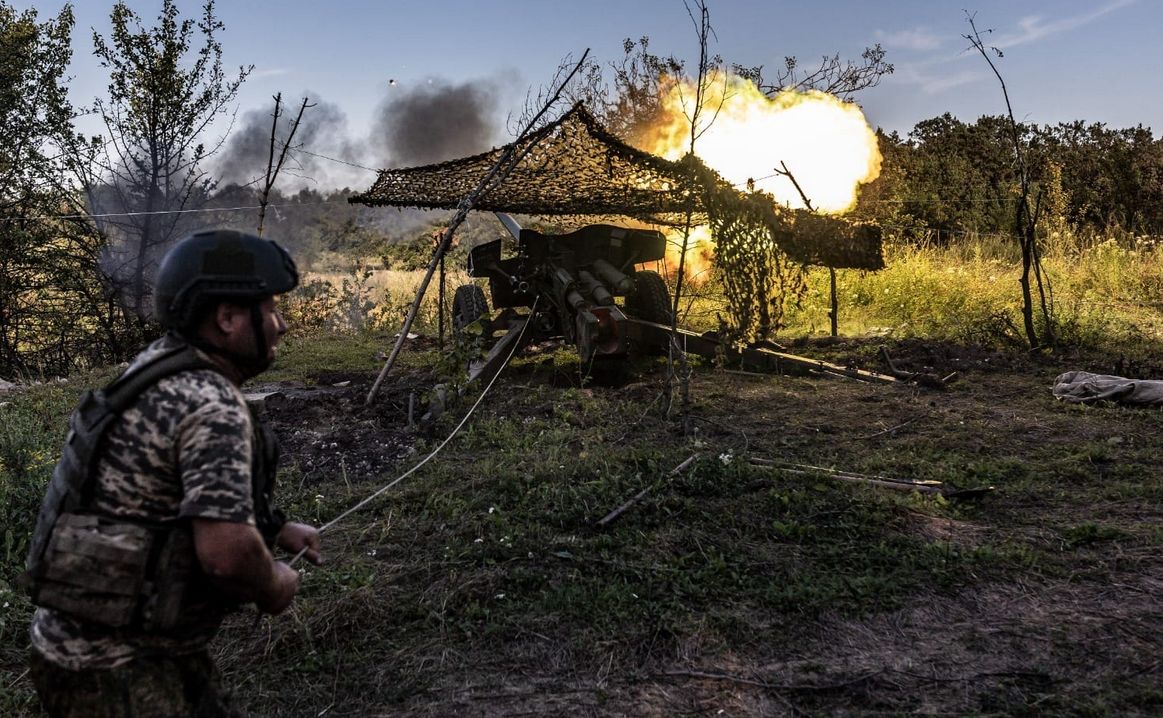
x: 1106, y: 291
x: 32, y: 427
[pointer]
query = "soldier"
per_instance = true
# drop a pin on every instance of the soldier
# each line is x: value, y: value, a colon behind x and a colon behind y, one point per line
x: 158, y: 519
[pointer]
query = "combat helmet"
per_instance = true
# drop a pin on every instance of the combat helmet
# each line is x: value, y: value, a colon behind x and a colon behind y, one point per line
x: 221, y: 265
x: 216, y: 265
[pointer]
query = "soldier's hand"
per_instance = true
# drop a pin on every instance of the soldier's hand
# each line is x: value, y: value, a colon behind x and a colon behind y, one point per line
x: 294, y: 537
x: 284, y: 585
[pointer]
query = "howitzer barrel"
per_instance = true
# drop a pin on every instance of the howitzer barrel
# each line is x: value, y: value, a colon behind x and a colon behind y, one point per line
x: 611, y: 276
x: 562, y: 278
x: 594, y: 288
x: 569, y: 288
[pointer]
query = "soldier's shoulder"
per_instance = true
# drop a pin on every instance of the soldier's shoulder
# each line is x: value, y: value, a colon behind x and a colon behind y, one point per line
x: 200, y: 389
x: 153, y: 351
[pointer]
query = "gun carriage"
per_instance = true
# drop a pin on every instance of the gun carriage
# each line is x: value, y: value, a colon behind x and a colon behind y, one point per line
x: 567, y: 286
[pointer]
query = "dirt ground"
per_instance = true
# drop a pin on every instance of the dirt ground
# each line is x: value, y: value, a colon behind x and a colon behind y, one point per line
x: 1078, y: 631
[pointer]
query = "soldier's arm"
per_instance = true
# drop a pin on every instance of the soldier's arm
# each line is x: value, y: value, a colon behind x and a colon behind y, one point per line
x: 234, y: 555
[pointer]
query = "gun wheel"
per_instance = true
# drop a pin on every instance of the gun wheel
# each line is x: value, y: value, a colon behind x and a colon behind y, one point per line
x: 651, y: 298
x: 468, y: 305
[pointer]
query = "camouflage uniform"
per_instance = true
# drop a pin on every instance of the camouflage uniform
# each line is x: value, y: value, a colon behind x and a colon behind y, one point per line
x: 182, y: 451
x: 155, y: 687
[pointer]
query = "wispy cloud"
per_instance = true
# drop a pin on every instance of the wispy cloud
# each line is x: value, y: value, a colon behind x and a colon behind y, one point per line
x: 1035, y: 27
x: 920, y: 39
x: 936, y: 73
x: 933, y: 79
x: 271, y: 72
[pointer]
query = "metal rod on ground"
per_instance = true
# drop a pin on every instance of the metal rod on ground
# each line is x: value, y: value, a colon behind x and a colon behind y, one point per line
x: 889, y: 482
x: 613, y: 515
x: 894, y: 485
x: 497, y: 172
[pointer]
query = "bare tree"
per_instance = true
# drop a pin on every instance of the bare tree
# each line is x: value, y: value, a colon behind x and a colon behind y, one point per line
x: 1026, y: 218
x: 273, y: 166
x: 700, y: 16
x: 842, y: 78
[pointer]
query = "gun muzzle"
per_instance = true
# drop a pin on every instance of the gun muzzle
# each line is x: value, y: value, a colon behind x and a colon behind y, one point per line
x: 576, y: 300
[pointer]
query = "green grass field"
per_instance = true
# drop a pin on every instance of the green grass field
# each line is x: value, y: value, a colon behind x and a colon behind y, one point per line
x: 484, y: 584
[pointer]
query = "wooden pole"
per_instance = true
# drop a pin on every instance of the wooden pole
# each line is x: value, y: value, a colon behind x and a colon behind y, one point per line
x: 440, y: 303
x: 835, y: 313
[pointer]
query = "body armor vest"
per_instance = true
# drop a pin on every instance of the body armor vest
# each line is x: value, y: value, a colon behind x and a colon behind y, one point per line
x: 121, y: 572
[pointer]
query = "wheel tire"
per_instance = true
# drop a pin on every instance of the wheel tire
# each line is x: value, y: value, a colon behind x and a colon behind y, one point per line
x: 651, y: 299
x: 468, y: 305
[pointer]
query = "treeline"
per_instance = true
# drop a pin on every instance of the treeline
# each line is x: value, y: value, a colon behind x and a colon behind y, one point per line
x: 948, y: 177
x: 84, y: 220
x: 327, y: 233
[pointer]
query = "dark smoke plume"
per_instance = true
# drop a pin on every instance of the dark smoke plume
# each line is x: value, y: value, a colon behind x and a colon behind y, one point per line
x: 322, y: 131
x: 434, y: 122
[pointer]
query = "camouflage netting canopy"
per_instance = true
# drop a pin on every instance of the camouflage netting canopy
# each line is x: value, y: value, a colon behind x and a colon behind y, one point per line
x: 576, y: 169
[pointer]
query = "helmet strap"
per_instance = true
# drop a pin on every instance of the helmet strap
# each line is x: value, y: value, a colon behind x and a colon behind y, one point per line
x: 260, y: 336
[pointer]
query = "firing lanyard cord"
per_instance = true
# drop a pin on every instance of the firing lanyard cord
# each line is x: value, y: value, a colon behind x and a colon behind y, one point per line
x: 380, y: 491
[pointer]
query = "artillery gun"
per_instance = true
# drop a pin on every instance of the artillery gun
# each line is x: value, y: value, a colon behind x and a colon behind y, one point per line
x: 573, y: 280
x: 568, y: 284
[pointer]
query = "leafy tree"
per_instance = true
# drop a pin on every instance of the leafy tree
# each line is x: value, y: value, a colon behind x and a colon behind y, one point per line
x: 164, y: 94
x: 1112, y: 177
x: 883, y: 199
x: 56, y: 312
x: 34, y: 108
x: 961, y: 175
x: 953, y: 177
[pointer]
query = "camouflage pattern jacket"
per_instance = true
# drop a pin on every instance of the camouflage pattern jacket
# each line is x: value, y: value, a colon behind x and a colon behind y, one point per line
x: 185, y: 449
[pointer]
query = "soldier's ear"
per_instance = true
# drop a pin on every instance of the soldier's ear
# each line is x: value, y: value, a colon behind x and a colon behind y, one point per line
x: 231, y: 318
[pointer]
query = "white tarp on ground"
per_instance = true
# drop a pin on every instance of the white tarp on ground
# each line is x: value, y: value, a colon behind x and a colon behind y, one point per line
x: 1082, y: 387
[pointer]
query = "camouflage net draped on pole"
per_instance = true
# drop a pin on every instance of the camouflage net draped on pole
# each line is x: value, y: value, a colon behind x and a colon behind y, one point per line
x: 578, y: 171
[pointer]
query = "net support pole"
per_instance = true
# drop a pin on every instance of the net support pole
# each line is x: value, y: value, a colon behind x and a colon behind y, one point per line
x: 834, y: 314
x: 492, y: 178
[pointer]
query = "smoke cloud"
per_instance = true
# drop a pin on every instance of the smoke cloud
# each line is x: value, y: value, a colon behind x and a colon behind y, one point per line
x: 434, y: 122
x: 322, y: 131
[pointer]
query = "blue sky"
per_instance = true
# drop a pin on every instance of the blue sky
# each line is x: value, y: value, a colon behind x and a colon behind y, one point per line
x: 1096, y: 60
